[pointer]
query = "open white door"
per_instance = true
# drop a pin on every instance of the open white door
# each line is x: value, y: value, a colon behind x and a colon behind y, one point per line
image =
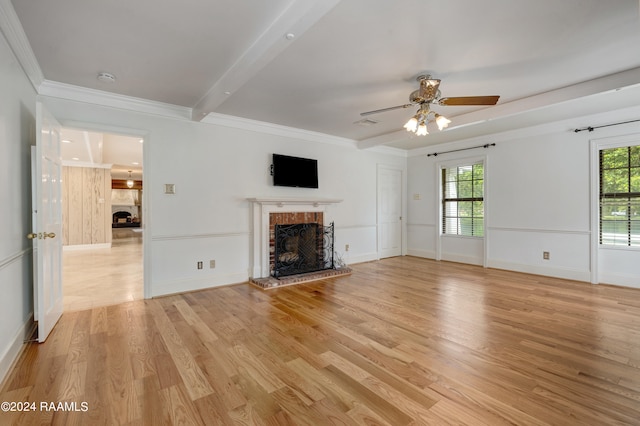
x: 47, y: 222
x: 389, y: 212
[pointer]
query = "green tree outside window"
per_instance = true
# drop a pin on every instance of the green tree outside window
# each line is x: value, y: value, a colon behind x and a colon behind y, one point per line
x: 463, y: 200
x: 620, y: 196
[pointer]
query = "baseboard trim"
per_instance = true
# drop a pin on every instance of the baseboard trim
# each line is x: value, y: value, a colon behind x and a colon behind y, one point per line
x: 619, y: 280
x: 14, y: 350
x: 363, y: 258
x: 188, y: 285
x: 564, y: 273
x: 427, y: 254
x: 86, y: 247
x: 471, y: 260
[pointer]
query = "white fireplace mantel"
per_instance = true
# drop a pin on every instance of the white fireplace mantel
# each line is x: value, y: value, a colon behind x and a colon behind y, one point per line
x: 281, y: 202
x: 261, y: 208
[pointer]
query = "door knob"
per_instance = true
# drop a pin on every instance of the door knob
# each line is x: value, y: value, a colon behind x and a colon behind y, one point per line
x: 49, y: 235
x: 32, y: 235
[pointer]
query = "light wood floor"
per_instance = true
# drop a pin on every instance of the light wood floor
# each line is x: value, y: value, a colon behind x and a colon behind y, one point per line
x: 403, y: 341
x: 101, y: 277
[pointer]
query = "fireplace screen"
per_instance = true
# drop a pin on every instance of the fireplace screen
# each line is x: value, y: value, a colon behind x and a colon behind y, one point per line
x: 302, y: 247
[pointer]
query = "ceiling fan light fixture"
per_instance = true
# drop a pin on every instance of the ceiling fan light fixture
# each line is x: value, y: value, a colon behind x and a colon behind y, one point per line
x: 412, y: 124
x: 442, y: 121
x: 422, y: 129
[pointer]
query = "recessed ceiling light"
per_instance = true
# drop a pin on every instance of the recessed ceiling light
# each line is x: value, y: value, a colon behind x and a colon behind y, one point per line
x: 135, y: 163
x: 66, y: 141
x: 290, y: 36
x: 75, y: 158
x: 106, y: 77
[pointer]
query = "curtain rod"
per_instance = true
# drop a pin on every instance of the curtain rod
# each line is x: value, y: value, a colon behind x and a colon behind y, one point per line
x: 591, y: 129
x: 435, y: 154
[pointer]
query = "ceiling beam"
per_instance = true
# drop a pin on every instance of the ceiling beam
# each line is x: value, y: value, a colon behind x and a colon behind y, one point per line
x: 612, y: 82
x: 296, y: 19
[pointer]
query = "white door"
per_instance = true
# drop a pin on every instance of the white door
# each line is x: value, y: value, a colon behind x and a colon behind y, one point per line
x: 47, y: 222
x: 389, y: 212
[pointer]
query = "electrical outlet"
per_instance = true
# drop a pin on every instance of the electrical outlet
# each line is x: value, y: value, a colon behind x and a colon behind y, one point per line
x: 346, y: 247
x: 200, y: 264
x: 545, y: 255
x: 212, y: 264
x: 416, y: 196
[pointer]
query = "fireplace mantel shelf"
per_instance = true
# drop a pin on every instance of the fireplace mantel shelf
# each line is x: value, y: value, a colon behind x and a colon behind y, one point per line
x: 282, y: 201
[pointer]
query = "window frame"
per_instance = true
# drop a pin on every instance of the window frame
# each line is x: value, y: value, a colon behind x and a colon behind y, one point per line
x: 622, y: 198
x: 442, y: 172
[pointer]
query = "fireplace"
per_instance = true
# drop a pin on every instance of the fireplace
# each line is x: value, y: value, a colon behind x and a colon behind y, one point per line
x: 265, y: 212
x: 125, y: 219
x: 302, y: 247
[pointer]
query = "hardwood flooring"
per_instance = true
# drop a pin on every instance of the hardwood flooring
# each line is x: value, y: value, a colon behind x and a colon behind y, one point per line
x: 402, y: 341
x: 101, y: 277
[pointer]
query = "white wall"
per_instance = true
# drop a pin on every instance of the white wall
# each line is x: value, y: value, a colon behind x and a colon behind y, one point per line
x: 214, y: 169
x: 17, y: 132
x: 538, y: 191
x: 537, y: 198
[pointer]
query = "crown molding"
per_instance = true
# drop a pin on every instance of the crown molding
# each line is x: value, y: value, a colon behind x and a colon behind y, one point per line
x: 81, y: 94
x: 13, y: 32
x: 276, y: 129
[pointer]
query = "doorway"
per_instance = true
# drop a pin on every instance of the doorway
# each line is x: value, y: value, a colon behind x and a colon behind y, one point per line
x: 390, y: 190
x: 102, y: 219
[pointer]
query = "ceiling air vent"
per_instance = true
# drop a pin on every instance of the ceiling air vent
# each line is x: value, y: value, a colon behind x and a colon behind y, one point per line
x: 366, y: 122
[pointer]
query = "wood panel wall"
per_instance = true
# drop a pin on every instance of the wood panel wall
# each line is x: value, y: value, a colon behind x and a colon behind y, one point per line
x: 86, y: 202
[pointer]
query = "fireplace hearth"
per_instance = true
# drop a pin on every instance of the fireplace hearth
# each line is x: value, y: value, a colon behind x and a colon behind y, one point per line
x: 301, y: 248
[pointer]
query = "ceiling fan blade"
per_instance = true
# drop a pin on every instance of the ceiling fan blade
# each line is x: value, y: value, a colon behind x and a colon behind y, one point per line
x: 385, y: 109
x: 469, y: 100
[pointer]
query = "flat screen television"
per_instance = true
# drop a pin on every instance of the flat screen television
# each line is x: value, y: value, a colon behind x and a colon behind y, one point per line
x: 294, y: 171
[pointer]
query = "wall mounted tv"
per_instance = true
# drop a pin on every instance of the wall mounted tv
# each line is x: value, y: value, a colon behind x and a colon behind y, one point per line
x: 294, y: 171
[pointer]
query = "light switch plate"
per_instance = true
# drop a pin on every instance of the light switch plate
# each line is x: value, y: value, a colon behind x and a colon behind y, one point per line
x: 170, y: 188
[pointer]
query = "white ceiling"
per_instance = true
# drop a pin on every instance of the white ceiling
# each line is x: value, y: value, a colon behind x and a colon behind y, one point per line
x: 346, y: 57
x: 123, y: 153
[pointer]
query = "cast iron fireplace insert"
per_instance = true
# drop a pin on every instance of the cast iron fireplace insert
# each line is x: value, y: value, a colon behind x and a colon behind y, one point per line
x: 301, y: 248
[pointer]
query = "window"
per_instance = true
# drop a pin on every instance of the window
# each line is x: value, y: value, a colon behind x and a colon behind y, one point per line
x: 463, y: 200
x: 620, y: 196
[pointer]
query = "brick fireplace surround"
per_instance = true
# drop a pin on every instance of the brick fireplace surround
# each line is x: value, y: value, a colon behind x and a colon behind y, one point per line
x: 266, y: 212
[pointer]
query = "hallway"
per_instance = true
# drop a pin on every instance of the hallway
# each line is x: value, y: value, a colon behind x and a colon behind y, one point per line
x: 101, y: 277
